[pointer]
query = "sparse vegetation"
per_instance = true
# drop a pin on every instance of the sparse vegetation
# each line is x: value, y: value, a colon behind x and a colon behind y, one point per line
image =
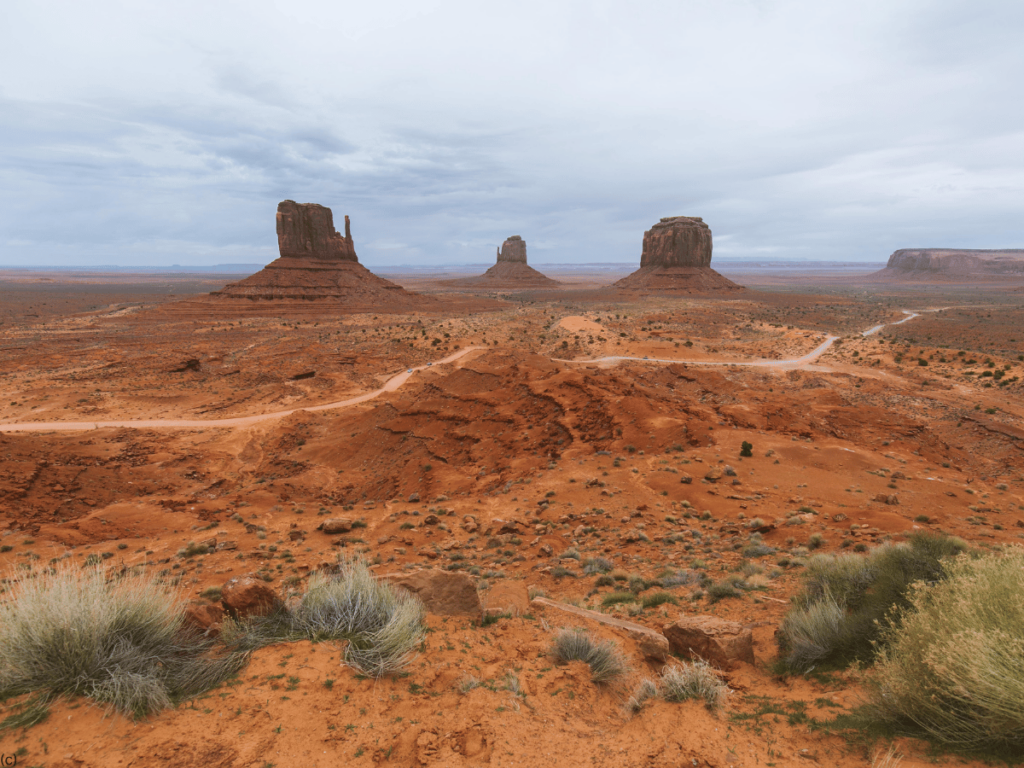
x: 118, y: 640
x: 605, y: 661
x: 951, y: 664
x: 382, y: 625
x: 847, y: 600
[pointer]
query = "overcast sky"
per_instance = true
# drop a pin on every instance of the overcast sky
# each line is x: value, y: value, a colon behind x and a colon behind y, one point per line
x: 151, y: 133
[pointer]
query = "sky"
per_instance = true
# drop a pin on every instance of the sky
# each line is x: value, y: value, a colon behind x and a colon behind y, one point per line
x: 147, y: 134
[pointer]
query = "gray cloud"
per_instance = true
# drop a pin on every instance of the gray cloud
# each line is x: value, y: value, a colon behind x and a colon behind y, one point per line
x: 138, y: 135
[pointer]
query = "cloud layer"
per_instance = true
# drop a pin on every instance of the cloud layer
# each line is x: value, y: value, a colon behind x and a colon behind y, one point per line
x: 157, y: 133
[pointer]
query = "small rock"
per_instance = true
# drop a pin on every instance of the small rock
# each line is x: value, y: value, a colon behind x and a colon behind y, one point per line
x: 205, y: 618
x: 245, y: 596
x: 414, y: 498
x: 713, y: 475
x: 685, y: 479
x: 335, y: 525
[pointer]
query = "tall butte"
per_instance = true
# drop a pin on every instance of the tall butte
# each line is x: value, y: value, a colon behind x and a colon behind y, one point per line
x: 676, y: 258
x: 318, y: 264
x: 509, y: 272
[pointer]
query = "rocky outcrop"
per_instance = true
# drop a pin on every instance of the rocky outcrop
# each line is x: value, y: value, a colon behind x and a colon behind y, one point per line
x: 510, y: 271
x: 677, y: 241
x: 929, y: 262
x: 513, y: 251
x: 444, y: 593
x: 676, y: 258
x: 717, y: 641
x: 318, y: 265
x: 306, y: 231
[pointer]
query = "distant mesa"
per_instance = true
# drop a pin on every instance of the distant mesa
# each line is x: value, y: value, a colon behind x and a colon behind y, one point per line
x: 909, y: 264
x: 676, y: 258
x: 318, y: 264
x: 509, y: 272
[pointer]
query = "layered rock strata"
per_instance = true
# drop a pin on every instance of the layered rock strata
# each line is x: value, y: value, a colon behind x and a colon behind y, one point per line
x: 676, y: 258
x: 319, y: 264
x: 959, y: 262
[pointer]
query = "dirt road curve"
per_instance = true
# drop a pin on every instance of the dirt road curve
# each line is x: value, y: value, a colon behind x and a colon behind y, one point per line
x: 394, y: 383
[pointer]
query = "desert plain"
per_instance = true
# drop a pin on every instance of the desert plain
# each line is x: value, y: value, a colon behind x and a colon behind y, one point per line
x: 508, y: 436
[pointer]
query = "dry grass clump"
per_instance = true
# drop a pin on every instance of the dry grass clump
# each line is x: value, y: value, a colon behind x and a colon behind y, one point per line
x: 695, y: 680
x: 953, y: 668
x: 848, y: 600
x: 382, y: 625
x: 604, y: 659
x: 118, y: 640
x: 689, y: 680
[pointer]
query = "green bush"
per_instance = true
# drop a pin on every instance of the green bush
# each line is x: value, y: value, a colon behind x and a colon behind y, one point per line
x: 382, y: 625
x: 122, y: 641
x: 605, y: 662
x: 659, y: 598
x: 614, y: 598
x: 952, y: 666
x: 848, y: 600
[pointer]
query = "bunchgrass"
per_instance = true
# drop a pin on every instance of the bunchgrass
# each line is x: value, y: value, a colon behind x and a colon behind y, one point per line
x: 383, y: 625
x: 606, y: 663
x: 952, y: 667
x: 848, y: 601
x: 693, y: 680
x: 614, y: 598
x: 118, y: 640
x: 659, y: 598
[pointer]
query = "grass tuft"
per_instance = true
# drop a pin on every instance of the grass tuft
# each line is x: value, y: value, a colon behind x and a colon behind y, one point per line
x: 121, y: 641
x: 696, y: 680
x: 604, y: 659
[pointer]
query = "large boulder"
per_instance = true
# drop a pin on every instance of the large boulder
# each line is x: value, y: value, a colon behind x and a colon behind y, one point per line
x: 306, y: 231
x: 335, y: 525
x: 444, y: 593
x: 677, y: 241
x: 717, y: 641
x: 247, y: 595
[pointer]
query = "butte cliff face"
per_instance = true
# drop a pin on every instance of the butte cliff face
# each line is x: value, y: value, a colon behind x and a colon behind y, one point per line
x: 510, y: 271
x: 676, y: 258
x: 307, y: 232
x: 513, y: 251
x: 318, y: 266
x: 938, y: 263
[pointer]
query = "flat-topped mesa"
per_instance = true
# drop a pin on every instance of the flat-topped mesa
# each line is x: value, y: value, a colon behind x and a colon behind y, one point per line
x: 306, y: 231
x: 513, y: 250
x: 958, y: 261
x: 677, y: 241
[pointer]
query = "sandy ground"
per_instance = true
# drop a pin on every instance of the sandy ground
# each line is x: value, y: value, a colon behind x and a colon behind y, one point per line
x: 546, y: 413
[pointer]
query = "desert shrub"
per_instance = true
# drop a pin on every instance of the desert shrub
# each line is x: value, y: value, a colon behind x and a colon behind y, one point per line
x: 596, y: 565
x: 758, y: 550
x: 659, y: 598
x: 848, y: 600
x: 121, y: 641
x: 746, y: 449
x: 605, y: 662
x: 644, y: 692
x: 721, y: 591
x: 696, y: 680
x: 614, y: 598
x: 604, y: 580
x: 952, y: 667
x: 382, y: 625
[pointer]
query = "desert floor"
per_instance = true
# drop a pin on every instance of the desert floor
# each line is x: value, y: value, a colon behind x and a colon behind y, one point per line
x: 565, y: 419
